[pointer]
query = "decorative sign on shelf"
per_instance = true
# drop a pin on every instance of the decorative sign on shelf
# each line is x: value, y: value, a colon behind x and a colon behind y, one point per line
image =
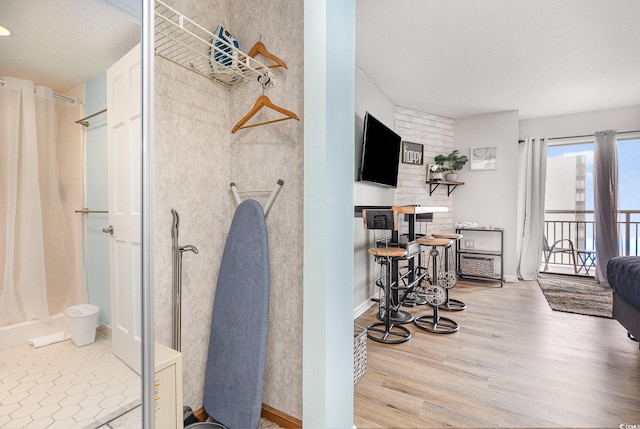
x: 412, y: 153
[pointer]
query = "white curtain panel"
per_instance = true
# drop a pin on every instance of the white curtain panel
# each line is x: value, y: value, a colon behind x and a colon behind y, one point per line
x: 532, y: 173
x: 605, y: 183
x: 36, y: 243
x: 24, y: 294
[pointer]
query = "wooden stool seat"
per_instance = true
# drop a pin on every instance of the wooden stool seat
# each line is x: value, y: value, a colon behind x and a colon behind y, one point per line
x: 432, y: 241
x: 449, y: 236
x: 388, y: 252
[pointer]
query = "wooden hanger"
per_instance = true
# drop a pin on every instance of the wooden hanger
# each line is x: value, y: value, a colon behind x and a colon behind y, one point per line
x: 259, y: 48
x: 263, y: 101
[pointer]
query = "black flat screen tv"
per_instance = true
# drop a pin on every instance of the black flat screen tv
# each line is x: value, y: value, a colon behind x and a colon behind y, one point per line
x: 380, y: 153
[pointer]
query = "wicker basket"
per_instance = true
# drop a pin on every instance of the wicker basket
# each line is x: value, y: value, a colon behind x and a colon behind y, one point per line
x: 474, y: 265
x: 359, y: 352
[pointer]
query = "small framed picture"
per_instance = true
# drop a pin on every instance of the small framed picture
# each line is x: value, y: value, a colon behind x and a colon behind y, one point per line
x: 484, y: 158
x: 434, y: 172
x: 412, y: 153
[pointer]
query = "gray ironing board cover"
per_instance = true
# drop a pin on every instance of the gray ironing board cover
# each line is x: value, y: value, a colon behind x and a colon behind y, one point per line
x: 237, y: 347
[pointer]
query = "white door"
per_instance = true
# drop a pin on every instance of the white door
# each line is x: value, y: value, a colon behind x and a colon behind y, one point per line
x: 124, y: 143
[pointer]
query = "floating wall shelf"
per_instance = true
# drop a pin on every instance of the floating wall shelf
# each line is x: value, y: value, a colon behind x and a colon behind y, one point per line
x: 184, y: 42
x: 433, y: 185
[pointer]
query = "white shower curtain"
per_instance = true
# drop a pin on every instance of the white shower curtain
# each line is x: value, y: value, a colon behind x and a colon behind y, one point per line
x: 34, y: 248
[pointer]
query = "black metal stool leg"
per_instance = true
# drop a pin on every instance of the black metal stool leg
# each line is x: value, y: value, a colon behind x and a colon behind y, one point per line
x: 387, y: 331
x: 449, y: 280
x: 436, y: 324
x: 435, y: 296
x: 413, y: 298
x: 453, y: 304
x: 396, y: 315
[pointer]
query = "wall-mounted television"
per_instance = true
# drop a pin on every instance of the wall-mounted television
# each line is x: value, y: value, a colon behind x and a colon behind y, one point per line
x: 380, y: 153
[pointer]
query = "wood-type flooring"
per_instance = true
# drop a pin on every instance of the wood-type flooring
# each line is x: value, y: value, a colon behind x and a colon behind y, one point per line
x: 514, y: 363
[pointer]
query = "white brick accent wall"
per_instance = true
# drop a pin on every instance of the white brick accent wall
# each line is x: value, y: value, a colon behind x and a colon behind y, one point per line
x: 436, y: 134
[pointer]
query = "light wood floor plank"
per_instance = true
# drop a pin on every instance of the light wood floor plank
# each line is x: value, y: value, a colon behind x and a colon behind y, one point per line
x: 514, y: 363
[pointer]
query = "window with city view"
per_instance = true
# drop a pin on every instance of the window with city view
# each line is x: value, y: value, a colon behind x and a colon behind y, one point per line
x: 569, y: 203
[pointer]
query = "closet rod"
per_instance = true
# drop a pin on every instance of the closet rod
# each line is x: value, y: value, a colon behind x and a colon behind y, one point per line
x: 61, y: 97
x: 85, y: 122
x: 590, y: 135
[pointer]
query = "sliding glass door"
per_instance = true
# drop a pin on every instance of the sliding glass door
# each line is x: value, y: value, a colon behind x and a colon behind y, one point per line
x: 569, y: 205
x: 629, y: 188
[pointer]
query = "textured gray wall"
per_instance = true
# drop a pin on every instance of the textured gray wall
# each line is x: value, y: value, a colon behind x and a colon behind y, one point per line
x: 197, y: 157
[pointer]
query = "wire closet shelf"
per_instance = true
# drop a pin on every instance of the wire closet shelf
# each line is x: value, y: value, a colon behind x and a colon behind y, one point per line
x: 186, y: 43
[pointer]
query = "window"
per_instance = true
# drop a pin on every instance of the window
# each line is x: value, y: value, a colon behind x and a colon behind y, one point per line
x: 628, y: 175
x: 569, y: 201
x: 569, y: 172
x: 569, y: 197
x: 629, y: 194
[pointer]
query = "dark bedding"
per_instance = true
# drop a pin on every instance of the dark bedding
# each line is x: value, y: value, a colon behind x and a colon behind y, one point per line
x: 623, y: 274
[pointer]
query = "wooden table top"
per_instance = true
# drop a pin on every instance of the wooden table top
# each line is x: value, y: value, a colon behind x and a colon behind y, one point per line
x: 419, y: 209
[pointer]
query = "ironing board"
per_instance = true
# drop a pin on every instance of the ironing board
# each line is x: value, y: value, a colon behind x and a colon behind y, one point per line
x: 237, y: 347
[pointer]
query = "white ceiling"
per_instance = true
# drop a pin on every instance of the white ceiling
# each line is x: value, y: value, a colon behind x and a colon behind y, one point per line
x: 454, y: 58
x: 63, y: 43
x: 459, y: 58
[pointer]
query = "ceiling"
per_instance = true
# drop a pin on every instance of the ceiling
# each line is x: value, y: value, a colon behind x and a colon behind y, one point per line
x: 454, y: 58
x: 459, y: 58
x: 64, y: 43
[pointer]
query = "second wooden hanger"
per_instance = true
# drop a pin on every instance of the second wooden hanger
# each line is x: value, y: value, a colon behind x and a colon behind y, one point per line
x: 263, y: 101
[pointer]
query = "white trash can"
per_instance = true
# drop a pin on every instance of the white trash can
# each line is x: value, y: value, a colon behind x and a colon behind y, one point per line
x: 82, y: 321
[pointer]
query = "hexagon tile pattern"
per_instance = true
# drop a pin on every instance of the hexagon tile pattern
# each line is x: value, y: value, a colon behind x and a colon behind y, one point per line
x: 64, y: 386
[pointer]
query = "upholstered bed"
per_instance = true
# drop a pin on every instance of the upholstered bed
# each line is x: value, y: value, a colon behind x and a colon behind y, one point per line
x: 623, y: 274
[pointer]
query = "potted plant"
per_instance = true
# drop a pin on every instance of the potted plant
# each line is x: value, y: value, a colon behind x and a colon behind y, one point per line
x: 451, y: 163
x: 436, y: 171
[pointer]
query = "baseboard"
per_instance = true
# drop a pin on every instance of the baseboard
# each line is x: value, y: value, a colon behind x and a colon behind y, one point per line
x: 281, y: 419
x: 104, y: 330
x: 201, y: 414
x: 359, y: 310
x: 276, y: 416
x: 510, y: 278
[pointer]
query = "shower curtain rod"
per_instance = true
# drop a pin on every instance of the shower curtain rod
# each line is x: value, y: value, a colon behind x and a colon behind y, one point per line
x: 61, y: 97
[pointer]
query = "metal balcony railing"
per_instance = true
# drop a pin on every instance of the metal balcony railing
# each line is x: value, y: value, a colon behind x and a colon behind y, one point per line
x: 578, y: 227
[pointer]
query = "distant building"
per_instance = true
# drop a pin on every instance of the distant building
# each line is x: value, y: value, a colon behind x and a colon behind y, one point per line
x: 566, y: 192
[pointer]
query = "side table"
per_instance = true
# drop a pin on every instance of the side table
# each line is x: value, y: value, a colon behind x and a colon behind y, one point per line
x: 587, y: 259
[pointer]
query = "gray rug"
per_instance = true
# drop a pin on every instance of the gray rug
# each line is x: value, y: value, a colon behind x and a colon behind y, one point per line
x: 576, y: 295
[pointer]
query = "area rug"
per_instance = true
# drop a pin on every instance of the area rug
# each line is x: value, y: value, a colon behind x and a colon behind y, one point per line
x: 576, y: 295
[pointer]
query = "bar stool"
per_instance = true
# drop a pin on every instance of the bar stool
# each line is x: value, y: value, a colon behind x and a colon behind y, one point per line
x: 389, y: 330
x: 435, y: 294
x: 448, y: 278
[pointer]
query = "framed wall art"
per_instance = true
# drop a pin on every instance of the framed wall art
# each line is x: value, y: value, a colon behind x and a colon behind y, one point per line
x: 484, y: 158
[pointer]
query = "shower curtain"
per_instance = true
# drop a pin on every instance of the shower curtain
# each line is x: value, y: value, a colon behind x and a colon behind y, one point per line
x: 36, y: 250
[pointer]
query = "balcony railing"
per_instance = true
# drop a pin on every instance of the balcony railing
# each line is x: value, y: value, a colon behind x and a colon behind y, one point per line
x: 578, y: 226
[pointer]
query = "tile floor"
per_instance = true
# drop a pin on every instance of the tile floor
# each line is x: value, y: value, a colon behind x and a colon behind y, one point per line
x: 64, y: 386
